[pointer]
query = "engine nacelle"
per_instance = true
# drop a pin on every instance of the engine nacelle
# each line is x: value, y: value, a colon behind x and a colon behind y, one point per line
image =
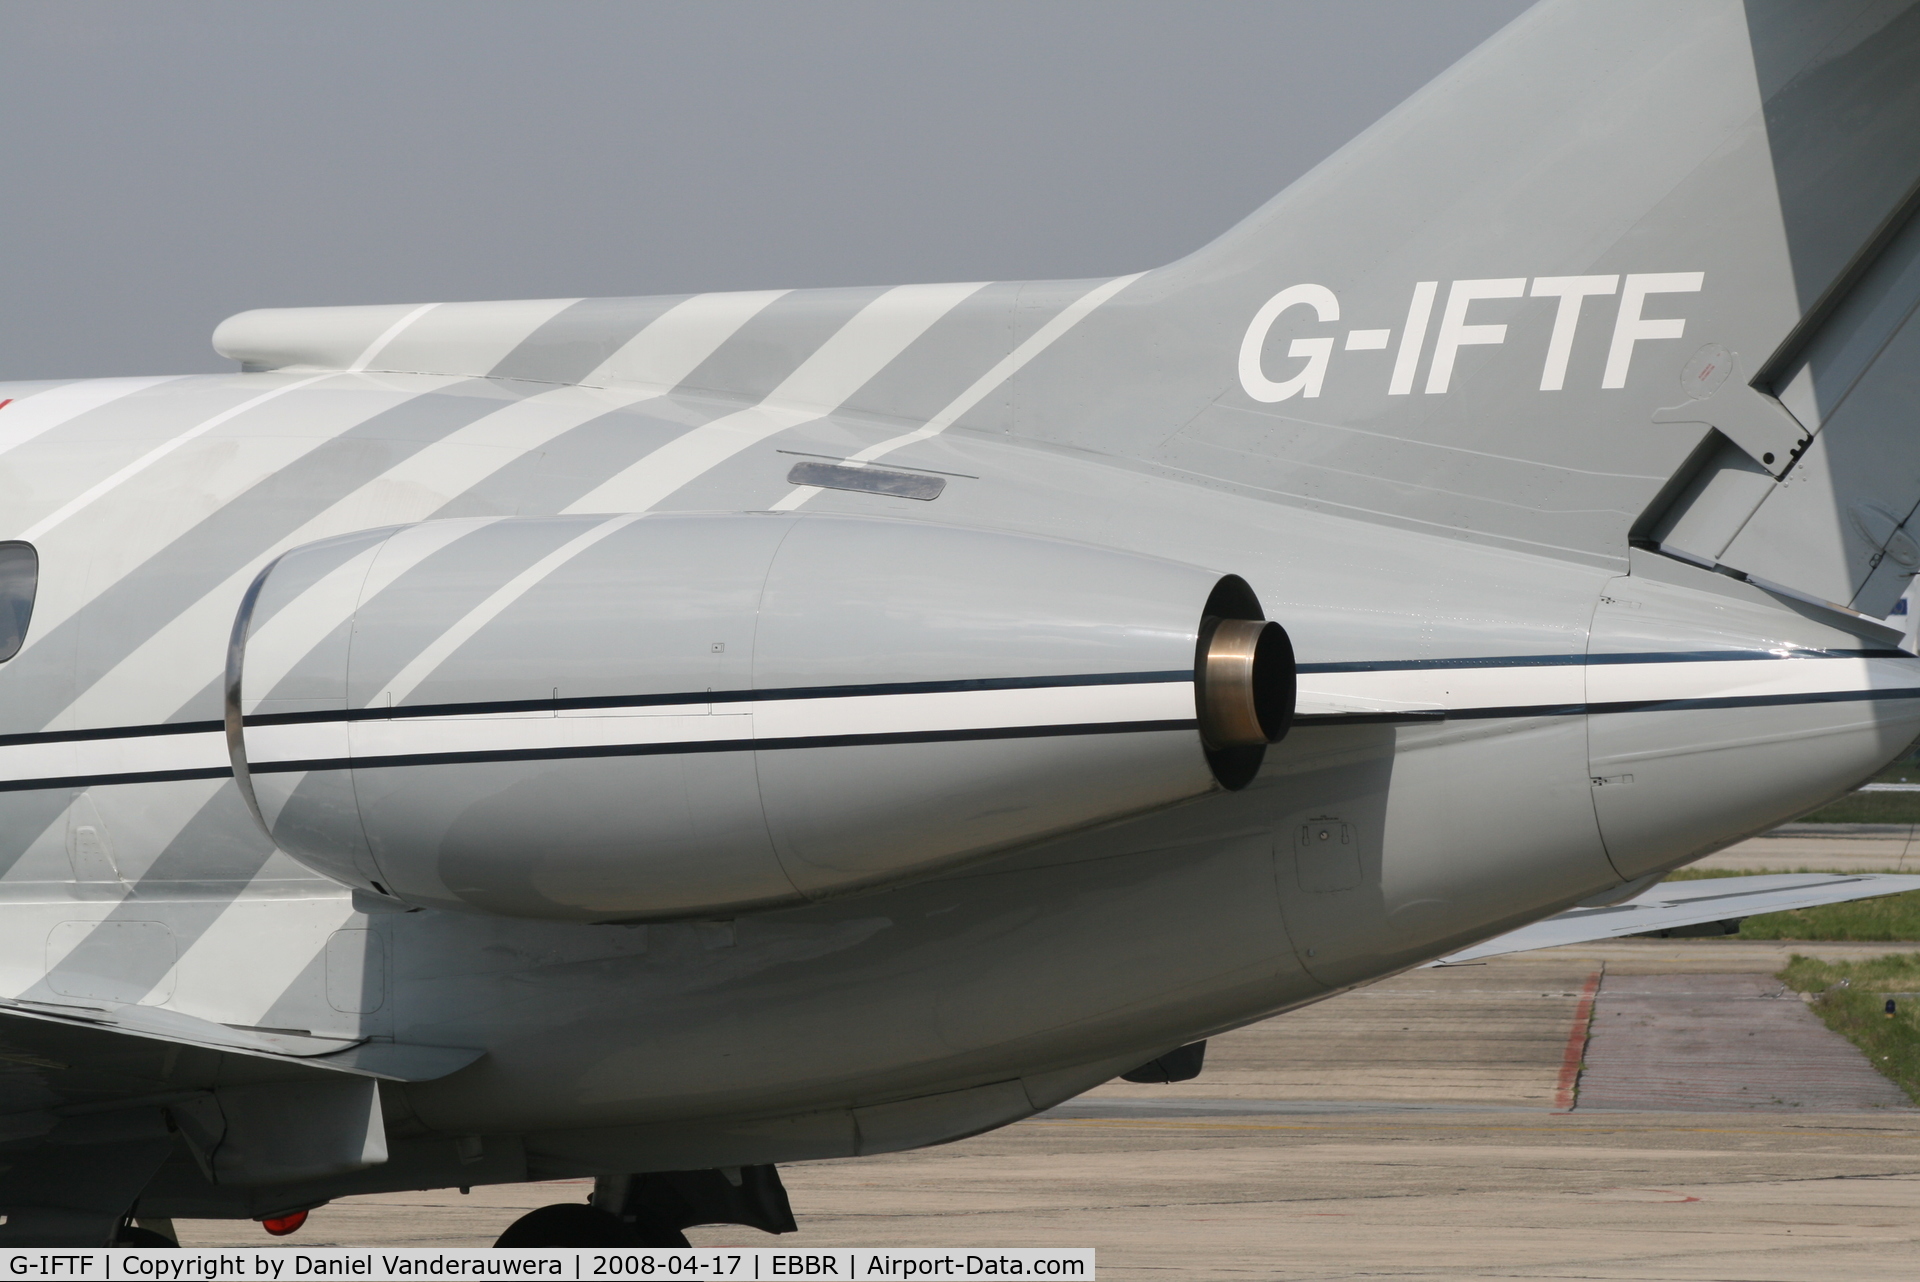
x: 640, y: 718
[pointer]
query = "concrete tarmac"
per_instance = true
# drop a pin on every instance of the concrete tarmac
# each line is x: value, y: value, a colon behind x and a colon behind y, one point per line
x: 1824, y: 848
x: 1425, y: 1127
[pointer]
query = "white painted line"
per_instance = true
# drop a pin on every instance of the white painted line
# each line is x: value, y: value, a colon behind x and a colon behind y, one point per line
x: 41, y: 412
x: 422, y: 664
x: 93, y: 493
x: 681, y: 338
x: 1005, y: 368
x: 1752, y: 678
x: 843, y: 364
x: 393, y: 331
x: 884, y: 714
x: 137, y: 754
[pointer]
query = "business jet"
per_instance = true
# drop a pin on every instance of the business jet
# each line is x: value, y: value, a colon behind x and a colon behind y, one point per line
x: 657, y: 739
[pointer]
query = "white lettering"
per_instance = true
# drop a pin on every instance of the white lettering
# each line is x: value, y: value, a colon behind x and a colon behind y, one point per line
x: 1407, y: 359
x: 1571, y: 291
x: 1368, y: 340
x: 1631, y: 328
x: 1317, y: 350
x: 1455, y: 333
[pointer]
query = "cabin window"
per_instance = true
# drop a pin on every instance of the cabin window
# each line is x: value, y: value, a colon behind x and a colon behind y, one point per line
x: 19, y: 577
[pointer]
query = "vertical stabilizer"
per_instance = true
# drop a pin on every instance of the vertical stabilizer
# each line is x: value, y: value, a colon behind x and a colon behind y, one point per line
x: 1516, y: 307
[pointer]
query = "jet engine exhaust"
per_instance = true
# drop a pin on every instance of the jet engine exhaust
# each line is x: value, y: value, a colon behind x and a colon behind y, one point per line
x: 1244, y: 683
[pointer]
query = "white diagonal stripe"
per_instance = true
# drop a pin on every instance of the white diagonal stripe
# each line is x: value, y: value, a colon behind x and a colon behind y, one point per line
x: 409, y: 491
x: 40, y: 413
x: 1004, y: 369
x: 119, y: 537
x: 171, y: 665
x: 680, y: 338
x: 278, y: 645
x: 92, y: 494
x: 423, y: 664
x: 392, y: 332
x: 99, y: 489
x: 843, y: 364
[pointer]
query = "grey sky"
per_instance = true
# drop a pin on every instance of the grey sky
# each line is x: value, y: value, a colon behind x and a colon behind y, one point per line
x: 166, y: 163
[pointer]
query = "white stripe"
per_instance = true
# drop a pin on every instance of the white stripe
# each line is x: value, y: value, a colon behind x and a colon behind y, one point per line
x: 887, y: 714
x: 168, y: 667
x: 843, y: 364
x: 39, y: 528
x: 681, y: 338
x: 1004, y: 369
x: 87, y: 758
x: 1332, y: 693
x: 973, y: 710
x: 41, y: 412
x: 1752, y: 678
x: 423, y: 664
x: 935, y: 712
x: 1323, y: 693
x: 278, y: 645
x: 250, y: 957
x: 393, y: 331
x: 316, y: 741
x: 411, y: 490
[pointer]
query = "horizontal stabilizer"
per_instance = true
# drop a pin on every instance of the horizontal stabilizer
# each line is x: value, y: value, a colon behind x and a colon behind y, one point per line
x: 1673, y: 904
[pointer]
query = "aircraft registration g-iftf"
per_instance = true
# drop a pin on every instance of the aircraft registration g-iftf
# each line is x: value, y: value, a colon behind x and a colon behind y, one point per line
x: 660, y: 738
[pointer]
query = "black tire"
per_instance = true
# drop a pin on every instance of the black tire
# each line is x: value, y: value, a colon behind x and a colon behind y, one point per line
x: 569, y: 1224
x: 132, y: 1236
x: 659, y: 1235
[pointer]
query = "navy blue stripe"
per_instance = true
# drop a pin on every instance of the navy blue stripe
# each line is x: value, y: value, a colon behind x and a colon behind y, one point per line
x: 138, y: 776
x: 406, y: 711
x: 112, y: 732
x: 1409, y: 716
x: 1591, y: 660
x: 1417, y: 715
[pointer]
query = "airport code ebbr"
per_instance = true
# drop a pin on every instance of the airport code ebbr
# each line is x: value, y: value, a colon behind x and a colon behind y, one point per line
x: 753, y: 1265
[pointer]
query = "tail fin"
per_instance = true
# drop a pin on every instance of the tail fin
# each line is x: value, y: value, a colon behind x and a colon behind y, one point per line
x: 1522, y: 304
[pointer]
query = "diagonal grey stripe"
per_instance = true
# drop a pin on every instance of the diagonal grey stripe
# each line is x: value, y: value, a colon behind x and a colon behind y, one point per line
x: 219, y: 843
x: 778, y: 340
x: 543, y: 482
x: 38, y: 683
x: 760, y: 342
x: 580, y: 339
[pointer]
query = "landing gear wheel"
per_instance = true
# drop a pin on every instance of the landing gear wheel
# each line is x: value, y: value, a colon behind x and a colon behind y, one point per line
x: 660, y: 1235
x: 571, y: 1224
x: 131, y: 1236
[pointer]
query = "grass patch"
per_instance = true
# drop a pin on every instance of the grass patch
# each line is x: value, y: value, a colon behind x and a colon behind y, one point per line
x: 1881, y: 920
x: 1868, y: 808
x: 1876, y: 807
x: 1851, y: 998
x: 1886, y: 919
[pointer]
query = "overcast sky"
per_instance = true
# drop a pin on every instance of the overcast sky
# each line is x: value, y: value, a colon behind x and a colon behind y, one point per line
x: 166, y: 163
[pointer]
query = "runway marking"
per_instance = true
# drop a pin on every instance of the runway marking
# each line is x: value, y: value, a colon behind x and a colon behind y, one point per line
x: 1566, y: 1089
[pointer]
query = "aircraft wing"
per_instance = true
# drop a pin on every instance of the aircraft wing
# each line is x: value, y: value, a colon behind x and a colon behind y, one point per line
x: 139, y: 1040
x: 1672, y: 904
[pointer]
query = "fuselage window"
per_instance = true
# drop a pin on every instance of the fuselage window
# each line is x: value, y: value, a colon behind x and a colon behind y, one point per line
x: 19, y: 577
